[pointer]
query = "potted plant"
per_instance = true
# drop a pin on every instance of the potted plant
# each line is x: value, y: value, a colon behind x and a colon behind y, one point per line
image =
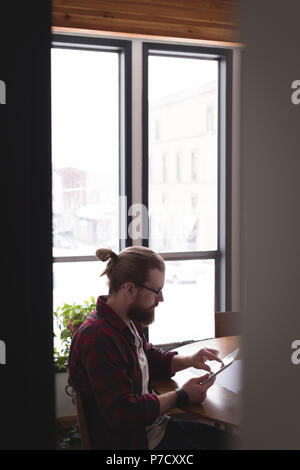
x: 68, y: 318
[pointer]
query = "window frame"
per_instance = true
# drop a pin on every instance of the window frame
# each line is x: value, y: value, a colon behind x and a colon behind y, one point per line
x: 124, y: 50
x: 222, y: 255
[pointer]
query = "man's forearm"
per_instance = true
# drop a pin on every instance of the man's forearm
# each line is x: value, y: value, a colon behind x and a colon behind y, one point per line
x: 179, y: 363
x: 167, y: 401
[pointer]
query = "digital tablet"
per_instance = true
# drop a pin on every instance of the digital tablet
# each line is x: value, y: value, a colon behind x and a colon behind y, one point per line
x: 227, y: 361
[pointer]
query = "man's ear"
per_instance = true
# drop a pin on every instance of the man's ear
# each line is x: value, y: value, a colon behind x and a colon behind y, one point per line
x: 128, y: 289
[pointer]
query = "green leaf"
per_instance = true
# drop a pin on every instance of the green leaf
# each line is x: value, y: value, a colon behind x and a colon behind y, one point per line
x: 65, y: 334
x: 68, y: 316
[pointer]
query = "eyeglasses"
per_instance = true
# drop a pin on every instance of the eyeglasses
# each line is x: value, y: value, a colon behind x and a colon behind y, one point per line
x: 157, y: 292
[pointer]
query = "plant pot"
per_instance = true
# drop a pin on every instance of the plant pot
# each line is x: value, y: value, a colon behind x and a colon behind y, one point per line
x: 63, y: 401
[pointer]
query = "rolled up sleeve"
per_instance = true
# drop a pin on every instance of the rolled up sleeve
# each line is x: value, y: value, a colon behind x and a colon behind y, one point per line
x: 159, y: 361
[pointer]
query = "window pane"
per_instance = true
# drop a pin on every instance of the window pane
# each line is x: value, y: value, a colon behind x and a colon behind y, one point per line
x: 187, y: 312
x: 183, y: 153
x: 76, y: 282
x: 85, y: 150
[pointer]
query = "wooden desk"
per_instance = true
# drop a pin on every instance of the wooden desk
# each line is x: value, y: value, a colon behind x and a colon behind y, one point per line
x: 221, y: 407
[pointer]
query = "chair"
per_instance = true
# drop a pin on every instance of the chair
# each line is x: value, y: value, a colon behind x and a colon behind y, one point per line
x: 227, y: 324
x: 83, y: 429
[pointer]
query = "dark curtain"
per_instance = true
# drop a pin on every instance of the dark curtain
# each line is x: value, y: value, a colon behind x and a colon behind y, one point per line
x: 27, y: 418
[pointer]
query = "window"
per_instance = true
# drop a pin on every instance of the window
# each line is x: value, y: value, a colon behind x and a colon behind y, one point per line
x: 185, y: 89
x: 185, y: 171
x: 91, y: 168
x: 210, y: 125
x: 195, y: 166
x: 85, y: 150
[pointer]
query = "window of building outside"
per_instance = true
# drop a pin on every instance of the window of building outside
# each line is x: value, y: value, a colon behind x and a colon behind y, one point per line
x: 182, y: 183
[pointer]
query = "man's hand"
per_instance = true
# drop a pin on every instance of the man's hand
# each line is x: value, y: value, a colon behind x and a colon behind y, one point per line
x: 198, y: 360
x: 195, y: 391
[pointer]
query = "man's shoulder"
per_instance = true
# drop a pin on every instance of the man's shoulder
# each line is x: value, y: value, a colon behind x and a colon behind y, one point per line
x: 94, y: 326
x: 96, y: 330
x: 97, y: 337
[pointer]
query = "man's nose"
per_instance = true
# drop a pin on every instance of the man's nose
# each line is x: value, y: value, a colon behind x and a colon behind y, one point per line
x: 160, y: 297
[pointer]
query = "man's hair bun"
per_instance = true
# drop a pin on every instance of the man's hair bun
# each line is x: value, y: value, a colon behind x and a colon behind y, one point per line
x: 131, y: 265
x: 105, y: 253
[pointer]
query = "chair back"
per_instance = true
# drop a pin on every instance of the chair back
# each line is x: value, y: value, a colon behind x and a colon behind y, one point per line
x: 82, y: 423
x: 227, y: 324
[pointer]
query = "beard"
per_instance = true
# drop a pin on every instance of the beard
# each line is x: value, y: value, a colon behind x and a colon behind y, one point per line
x: 144, y: 316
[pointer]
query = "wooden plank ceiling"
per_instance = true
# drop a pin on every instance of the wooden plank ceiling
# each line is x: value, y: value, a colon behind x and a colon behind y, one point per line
x: 208, y: 20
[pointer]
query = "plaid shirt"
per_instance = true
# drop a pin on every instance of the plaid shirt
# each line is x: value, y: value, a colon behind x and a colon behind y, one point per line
x: 104, y: 368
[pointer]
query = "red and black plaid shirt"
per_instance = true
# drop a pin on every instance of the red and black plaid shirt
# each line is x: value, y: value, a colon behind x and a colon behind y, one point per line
x: 104, y: 368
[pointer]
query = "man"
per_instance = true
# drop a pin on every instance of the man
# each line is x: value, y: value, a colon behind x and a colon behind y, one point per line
x: 111, y: 364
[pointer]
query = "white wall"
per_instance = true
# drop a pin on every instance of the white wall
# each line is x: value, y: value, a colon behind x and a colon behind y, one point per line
x: 270, y: 225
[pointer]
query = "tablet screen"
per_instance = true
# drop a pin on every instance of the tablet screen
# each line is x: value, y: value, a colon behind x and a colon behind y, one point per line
x: 216, y: 369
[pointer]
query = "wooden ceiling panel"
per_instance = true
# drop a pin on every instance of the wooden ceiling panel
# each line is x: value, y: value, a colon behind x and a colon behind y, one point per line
x: 211, y: 20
